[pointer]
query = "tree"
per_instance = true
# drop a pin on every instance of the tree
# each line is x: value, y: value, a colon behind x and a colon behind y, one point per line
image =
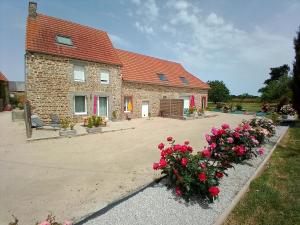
x: 218, y: 91
x: 296, y: 75
x: 276, y: 89
x: 278, y: 72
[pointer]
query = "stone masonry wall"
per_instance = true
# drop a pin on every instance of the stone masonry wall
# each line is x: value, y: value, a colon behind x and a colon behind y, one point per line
x: 50, y: 86
x: 153, y: 94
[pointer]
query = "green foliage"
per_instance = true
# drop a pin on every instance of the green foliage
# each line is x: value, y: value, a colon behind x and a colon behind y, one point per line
x: 239, y: 107
x: 275, y: 89
x: 20, y: 106
x: 278, y: 72
x: 296, y: 75
x: 114, y: 114
x: 98, y: 121
x: 64, y: 123
x: 90, y: 122
x: 274, y: 116
x: 218, y: 91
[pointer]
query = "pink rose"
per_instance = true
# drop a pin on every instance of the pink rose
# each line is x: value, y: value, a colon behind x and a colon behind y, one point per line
x: 213, y: 145
x: 184, y: 161
x: 261, y: 151
x: 203, y: 165
x: 155, y: 166
x: 161, y: 146
x: 214, y: 131
x: 207, y: 137
x: 225, y: 126
x: 230, y: 140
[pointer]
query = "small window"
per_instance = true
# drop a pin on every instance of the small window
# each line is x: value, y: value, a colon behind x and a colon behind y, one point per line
x: 162, y: 77
x: 128, y: 104
x: 184, y: 80
x: 64, y: 40
x: 79, y: 73
x: 80, y: 105
x: 104, y: 76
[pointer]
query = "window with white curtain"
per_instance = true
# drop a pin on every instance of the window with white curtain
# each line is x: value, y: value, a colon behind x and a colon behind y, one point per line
x: 80, y: 105
x: 79, y: 74
x: 104, y: 77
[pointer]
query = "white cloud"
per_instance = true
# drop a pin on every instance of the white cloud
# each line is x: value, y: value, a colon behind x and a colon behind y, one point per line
x: 144, y: 28
x: 214, y: 19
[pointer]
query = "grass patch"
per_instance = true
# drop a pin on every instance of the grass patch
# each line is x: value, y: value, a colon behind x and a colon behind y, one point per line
x: 274, y: 197
x: 248, y: 106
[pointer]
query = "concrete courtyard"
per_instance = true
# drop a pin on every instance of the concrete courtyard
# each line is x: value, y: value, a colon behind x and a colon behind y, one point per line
x: 72, y: 177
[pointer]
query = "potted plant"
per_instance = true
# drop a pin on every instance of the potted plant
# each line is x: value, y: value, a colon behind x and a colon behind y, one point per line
x: 64, y: 131
x: 95, y: 124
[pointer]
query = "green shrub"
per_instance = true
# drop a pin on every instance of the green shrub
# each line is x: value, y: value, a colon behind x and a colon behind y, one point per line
x: 90, y: 122
x: 239, y: 107
x: 20, y: 106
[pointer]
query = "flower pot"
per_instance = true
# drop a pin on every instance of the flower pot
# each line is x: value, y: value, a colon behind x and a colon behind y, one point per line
x: 67, y: 133
x: 94, y: 130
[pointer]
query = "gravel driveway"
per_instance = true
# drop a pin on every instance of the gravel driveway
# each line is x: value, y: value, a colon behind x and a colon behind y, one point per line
x: 76, y: 176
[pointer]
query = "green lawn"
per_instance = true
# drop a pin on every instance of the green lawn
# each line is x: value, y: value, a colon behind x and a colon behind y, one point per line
x: 248, y: 106
x: 274, y: 197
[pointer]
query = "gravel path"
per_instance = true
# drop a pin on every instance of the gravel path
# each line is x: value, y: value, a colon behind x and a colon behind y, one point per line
x: 158, y: 205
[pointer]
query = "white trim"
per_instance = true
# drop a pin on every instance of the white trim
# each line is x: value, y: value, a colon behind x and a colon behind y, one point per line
x: 104, y: 81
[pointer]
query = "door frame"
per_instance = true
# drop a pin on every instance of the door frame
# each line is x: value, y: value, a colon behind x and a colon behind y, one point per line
x: 148, y: 108
x: 98, y: 105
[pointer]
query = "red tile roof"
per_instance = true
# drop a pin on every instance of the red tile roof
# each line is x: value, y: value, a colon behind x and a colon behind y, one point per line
x: 145, y: 69
x: 88, y: 43
x: 2, y: 77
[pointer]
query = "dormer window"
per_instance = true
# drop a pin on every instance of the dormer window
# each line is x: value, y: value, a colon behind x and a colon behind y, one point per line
x: 184, y: 80
x: 64, y: 40
x: 162, y: 77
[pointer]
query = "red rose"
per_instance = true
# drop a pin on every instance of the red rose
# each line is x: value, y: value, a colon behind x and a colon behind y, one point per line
x: 186, y: 142
x: 177, y: 147
x: 161, y: 146
x: 225, y: 126
x: 183, y: 148
x: 219, y: 175
x: 189, y: 148
x: 184, y: 161
x: 221, y: 131
x: 169, y: 139
x: 178, y: 191
x: 202, y: 177
x: 213, y: 145
x: 155, y: 166
x: 206, y: 153
x: 214, y: 191
x: 162, y: 163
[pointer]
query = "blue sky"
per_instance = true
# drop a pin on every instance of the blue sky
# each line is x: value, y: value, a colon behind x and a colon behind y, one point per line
x: 234, y: 41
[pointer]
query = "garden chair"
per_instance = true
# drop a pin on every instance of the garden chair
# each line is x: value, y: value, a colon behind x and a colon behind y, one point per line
x: 55, y: 121
x: 36, y: 122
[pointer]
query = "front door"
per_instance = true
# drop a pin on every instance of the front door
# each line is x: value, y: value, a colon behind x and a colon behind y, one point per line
x: 186, y: 104
x: 103, y: 107
x: 145, y: 109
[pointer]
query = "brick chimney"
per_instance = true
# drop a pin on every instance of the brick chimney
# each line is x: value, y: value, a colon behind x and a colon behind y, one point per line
x: 32, y: 9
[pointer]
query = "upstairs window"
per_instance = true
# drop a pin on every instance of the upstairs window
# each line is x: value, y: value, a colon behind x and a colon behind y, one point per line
x: 64, y: 40
x: 79, y: 74
x: 184, y: 80
x: 104, y: 77
x: 162, y: 77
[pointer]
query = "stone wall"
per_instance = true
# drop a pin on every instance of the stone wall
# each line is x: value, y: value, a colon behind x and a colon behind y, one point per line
x: 50, y: 86
x: 153, y: 93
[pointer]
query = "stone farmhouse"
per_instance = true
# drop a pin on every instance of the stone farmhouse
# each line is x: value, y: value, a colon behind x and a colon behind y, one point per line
x: 73, y: 71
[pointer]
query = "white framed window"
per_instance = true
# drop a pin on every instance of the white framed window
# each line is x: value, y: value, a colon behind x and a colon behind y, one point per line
x: 79, y: 74
x: 104, y: 77
x: 128, y: 104
x: 80, y: 105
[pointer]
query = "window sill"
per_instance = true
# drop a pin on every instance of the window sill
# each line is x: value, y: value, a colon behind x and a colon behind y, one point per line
x: 80, y: 114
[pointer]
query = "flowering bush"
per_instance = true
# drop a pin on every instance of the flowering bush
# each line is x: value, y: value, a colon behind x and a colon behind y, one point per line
x: 190, y: 174
x: 199, y: 174
x: 287, y: 110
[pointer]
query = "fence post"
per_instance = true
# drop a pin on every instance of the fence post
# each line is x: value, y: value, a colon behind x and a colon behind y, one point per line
x: 27, y: 112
